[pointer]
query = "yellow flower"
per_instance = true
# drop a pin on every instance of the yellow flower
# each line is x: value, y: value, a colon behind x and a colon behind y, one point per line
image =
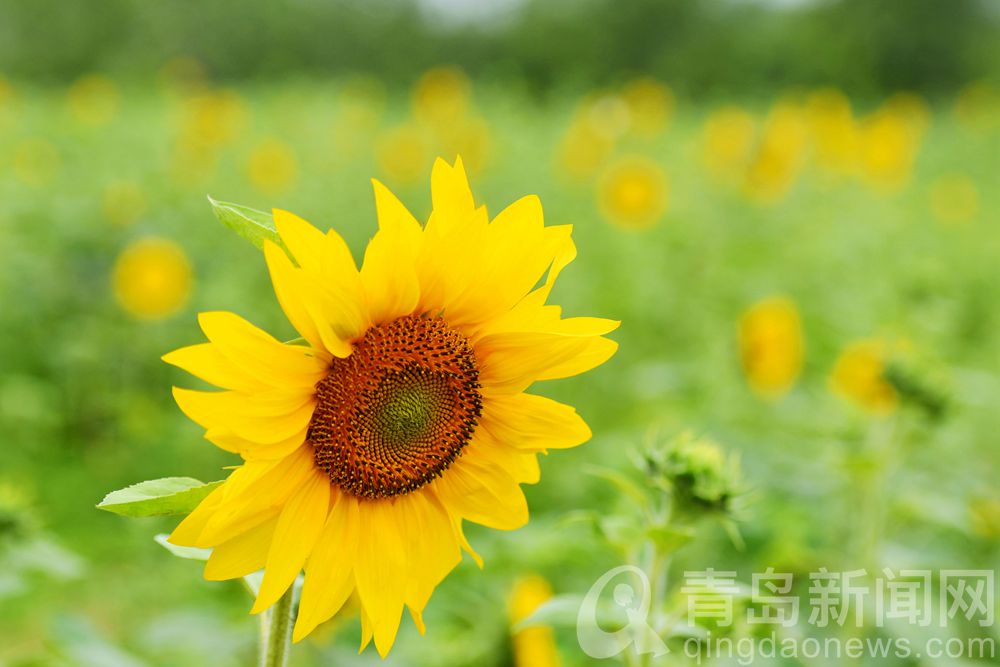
x: 860, y: 376
x: 93, y: 100
x: 728, y: 140
x: 890, y: 141
x: 954, y: 199
x: 770, y: 341
x: 834, y: 131
x: 212, y: 119
x: 633, y: 193
x: 402, y: 414
x: 124, y: 202
x: 403, y: 153
x: 534, y: 646
x: 441, y: 96
x: 775, y: 166
x: 272, y: 166
x: 36, y: 162
x: 582, y: 151
x: 152, y: 278
x: 650, y: 104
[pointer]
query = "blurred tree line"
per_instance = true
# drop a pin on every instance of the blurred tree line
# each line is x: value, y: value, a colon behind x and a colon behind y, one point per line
x: 866, y: 47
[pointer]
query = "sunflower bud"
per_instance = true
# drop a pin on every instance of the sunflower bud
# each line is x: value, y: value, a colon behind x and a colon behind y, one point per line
x: 700, y: 477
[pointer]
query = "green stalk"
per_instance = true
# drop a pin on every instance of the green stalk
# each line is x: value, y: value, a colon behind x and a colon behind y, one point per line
x: 276, y: 631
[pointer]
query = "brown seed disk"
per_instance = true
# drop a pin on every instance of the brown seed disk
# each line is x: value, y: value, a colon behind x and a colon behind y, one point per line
x: 395, y: 413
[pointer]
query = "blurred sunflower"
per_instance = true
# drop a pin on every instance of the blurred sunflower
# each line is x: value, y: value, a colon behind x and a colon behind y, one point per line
x: 93, y: 100
x: 727, y: 143
x: 152, y: 278
x: 770, y: 342
x: 860, y: 376
x: 403, y: 153
x: 777, y: 162
x: 954, y: 199
x: 401, y: 415
x: 890, y: 141
x: 650, y: 104
x: 834, y: 131
x: 272, y: 166
x: 533, y: 646
x: 633, y: 193
x: 441, y: 96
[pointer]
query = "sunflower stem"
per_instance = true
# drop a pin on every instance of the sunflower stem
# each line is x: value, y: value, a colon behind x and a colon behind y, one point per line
x: 276, y: 631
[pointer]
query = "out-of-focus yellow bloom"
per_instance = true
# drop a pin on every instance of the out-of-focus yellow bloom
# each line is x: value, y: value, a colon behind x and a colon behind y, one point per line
x: 361, y: 104
x: 441, y: 96
x: 152, y: 278
x: 776, y: 164
x: 771, y: 345
x: 123, y: 202
x: 472, y: 140
x: 607, y: 115
x: 650, y: 105
x: 36, y: 162
x: 534, y: 646
x: 93, y: 100
x: 954, y: 199
x: 212, y: 119
x: 889, y: 145
x: 634, y: 193
x: 272, y: 166
x: 978, y: 107
x: 582, y: 151
x: 404, y: 153
x: 860, y: 376
x: 727, y: 142
x: 834, y: 131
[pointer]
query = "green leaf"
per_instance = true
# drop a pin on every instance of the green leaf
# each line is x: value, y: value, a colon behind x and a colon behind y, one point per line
x: 158, y: 497
x: 190, y: 553
x: 253, y: 225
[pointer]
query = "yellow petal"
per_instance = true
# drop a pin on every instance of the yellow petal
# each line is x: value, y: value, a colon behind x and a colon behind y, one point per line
x: 521, y: 464
x: 262, y: 418
x: 298, y: 528
x: 433, y: 549
x: 304, y: 241
x: 187, y: 531
x: 256, y: 492
x: 532, y: 422
x: 241, y: 555
x: 206, y: 362
x: 248, y: 449
x: 380, y: 570
x: 482, y: 493
x: 292, y: 294
x: 451, y: 196
x: 511, y: 362
x: 260, y: 354
x: 389, y: 274
x: 392, y: 215
x: 329, y: 577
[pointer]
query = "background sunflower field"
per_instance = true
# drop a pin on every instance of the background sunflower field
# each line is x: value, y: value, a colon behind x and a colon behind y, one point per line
x: 792, y: 206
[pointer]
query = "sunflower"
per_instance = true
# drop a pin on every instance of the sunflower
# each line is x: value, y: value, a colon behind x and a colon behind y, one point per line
x: 402, y: 413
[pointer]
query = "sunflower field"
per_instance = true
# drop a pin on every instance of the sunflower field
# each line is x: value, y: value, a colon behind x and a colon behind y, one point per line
x: 781, y: 309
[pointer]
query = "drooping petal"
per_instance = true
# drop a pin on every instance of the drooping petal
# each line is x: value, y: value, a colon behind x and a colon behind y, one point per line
x: 206, y: 362
x: 241, y: 555
x: 380, y: 570
x: 299, y: 526
x: 329, y: 578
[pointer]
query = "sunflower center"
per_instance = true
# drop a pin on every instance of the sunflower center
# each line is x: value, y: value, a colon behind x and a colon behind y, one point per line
x: 395, y: 413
